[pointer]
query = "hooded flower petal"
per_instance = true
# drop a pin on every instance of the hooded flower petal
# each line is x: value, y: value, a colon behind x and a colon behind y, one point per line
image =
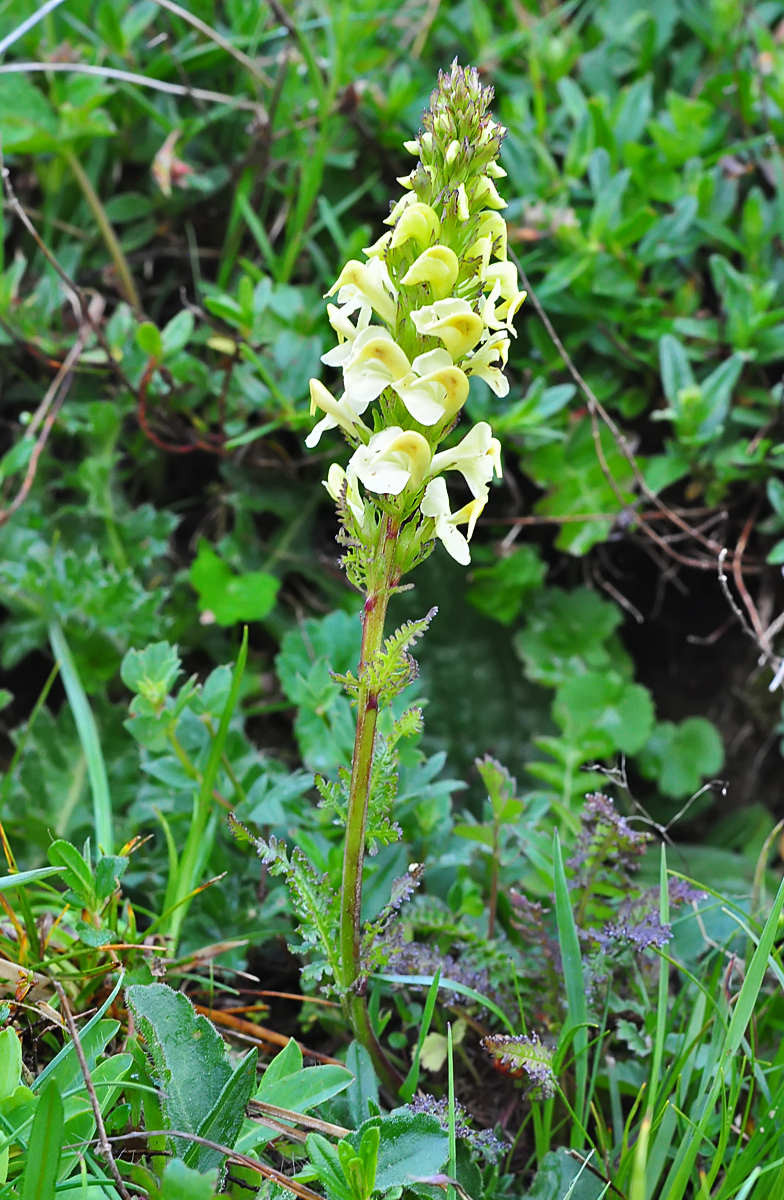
x: 494, y: 349
x: 477, y: 458
x: 435, y: 504
x: 346, y: 331
x: 338, y: 412
x: 500, y: 316
x: 336, y: 480
x: 453, y: 321
x: 375, y: 361
x: 493, y: 225
x: 378, y: 249
x: 392, y: 459
x: 437, y: 266
x: 367, y: 283
x: 434, y: 388
x: 417, y: 221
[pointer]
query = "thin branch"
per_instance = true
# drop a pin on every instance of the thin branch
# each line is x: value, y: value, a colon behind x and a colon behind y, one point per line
x: 219, y: 40
x: 759, y: 631
x: 103, y: 1141
x: 597, y: 410
x: 158, y: 85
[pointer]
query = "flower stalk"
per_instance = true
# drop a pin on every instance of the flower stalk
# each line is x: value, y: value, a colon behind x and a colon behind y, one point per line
x: 430, y: 308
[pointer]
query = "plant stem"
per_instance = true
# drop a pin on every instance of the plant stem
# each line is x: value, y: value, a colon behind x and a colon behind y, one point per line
x: 127, y: 286
x: 356, y: 818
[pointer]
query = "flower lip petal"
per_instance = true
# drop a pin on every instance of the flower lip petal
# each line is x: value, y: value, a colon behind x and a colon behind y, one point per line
x: 391, y: 460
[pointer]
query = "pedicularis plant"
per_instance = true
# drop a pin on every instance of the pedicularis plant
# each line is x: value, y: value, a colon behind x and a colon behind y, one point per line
x: 432, y: 306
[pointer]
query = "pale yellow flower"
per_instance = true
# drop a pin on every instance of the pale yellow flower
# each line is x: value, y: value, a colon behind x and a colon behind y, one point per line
x: 494, y: 349
x: 334, y: 483
x: 435, y: 504
x: 438, y: 266
x: 367, y: 283
x: 453, y: 321
x: 434, y: 388
x: 347, y: 333
x: 418, y: 221
x: 338, y: 412
x: 375, y: 361
x: 391, y: 460
x: 477, y: 458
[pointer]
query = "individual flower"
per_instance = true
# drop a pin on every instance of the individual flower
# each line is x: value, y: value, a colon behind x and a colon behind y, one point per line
x: 415, y: 220
x: 493, y: 225
x: 347, y: 333
x: 391, y: 460
x: 501, y: 317
x: 453, y: 321
x: 338, y: 412
x: 435, y: 504
x: 438, y: 266
x: 434, y: 388
x: 336, y: 481
x: 367, y: 283
x: 477, y: 458
x: 375, y: 361
x: 486, y: 195
x: 493, y: 349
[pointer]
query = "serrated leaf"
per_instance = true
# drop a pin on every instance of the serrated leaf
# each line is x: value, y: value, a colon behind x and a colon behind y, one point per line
x: 188, y: 1056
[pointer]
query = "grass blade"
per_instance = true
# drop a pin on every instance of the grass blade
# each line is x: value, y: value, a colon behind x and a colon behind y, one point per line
x: 577, y: 1009
x: 412, y: 1079
x: 46, y: 1142
x: 103, y: 820
x: 741, y: 1015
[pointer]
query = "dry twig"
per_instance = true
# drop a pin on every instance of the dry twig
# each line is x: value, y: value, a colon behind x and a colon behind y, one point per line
x: 103, y: 1141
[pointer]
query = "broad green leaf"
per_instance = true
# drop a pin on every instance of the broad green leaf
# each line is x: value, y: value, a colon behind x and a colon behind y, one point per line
x: 679, y: 757
x: 501, y: 590
x: 187, y: 1053
x: 224, y: 1122
x: 605, y: 704
x: 567, y: 634
x: 560, y: 1176
x: 29, y: 124
x: 306, y: 1089
x: 183, y: 1183
x: 76, y: 873
x: 326, y: 1163
x: 148, y: 339
x: 411, y: 1146
x: 676, y: 372
x: 228, y: 597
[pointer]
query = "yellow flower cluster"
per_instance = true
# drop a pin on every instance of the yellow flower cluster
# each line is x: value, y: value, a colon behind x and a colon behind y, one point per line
x: 431, y: 306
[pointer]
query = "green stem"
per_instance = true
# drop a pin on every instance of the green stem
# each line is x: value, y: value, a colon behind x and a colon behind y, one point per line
x: 356, y: 818
x: 127, y: 286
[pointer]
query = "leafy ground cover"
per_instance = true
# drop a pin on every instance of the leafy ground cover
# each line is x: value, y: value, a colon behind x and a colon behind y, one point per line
x: 580, y: 996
